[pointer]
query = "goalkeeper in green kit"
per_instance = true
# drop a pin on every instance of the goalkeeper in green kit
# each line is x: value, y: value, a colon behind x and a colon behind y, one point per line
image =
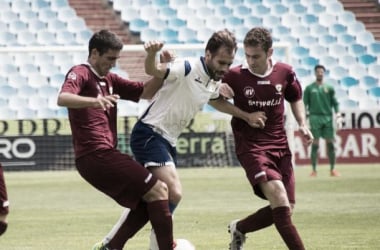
x: 321, y: 102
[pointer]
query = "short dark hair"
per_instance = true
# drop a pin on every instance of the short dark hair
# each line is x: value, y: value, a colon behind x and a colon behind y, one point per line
x: 221, y: 38
x: 258, y: 36
x: 103, y: 41
x: 319, y: 66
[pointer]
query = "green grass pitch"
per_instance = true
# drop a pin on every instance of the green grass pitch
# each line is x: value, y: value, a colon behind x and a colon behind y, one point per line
x: 60, y: 211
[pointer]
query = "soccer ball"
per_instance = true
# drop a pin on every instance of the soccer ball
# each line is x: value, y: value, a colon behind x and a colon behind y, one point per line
x: 183, y: 244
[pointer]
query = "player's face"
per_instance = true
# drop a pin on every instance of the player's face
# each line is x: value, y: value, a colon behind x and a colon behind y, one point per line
x: 219, y: 63
x: 257, y: 58
x: 105, y: 62
x: 319, y: 73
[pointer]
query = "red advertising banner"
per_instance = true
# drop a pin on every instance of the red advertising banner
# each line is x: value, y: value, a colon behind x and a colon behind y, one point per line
x: 352, y: 146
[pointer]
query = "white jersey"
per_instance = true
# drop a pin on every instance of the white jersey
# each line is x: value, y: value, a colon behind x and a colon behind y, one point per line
x: 187, y: 88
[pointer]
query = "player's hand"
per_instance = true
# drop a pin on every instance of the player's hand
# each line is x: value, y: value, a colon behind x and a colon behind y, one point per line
x: 153, y: 47
x: 167, y: 56
x: 256, y: 119
x: 307, y: 135
x: 106, y: 102
x: 339, y: 121
x: 226, y: 91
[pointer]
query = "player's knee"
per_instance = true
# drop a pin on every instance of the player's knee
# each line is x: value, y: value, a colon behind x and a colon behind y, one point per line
x: 158, y: 192
x: 175, y: 195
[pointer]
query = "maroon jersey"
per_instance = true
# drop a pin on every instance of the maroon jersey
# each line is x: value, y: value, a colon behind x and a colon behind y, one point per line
x: 262, y: 93
x: 94, y: 128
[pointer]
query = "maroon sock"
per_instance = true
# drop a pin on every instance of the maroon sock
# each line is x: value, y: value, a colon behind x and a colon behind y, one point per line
x: 3, y: 227
x: 259, y: 220
x: 161, y: 220
x: 135, y: 220
x: 282, y: 220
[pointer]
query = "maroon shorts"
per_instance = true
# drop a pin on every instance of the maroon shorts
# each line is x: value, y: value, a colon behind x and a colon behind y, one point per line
x: 117, y: 175
x: 4, y: 203
x: 269, y: 165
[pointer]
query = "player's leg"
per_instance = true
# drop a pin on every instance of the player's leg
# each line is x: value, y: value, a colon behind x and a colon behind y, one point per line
x: 329, y: 134
x: 127, y: 182
x: 4, y: 203
x: 316, y: 129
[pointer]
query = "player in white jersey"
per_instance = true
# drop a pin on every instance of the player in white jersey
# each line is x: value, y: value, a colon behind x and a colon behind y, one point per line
x: 188, y: 86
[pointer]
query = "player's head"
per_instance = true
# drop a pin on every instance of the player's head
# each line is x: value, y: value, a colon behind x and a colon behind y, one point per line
x: 104, y: 49
x: 220, y: 53
x: 258, y: 49
x: 319, y: 71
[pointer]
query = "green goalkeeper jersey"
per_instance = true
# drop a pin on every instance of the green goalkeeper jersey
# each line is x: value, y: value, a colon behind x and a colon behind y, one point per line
x: 320, y: 99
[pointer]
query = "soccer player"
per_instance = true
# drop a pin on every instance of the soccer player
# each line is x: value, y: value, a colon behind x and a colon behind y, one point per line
x: 4, y: 203
x: 90, y: 92
x: 321, y: 102
x: 262, y: 84
x: 189, y: 85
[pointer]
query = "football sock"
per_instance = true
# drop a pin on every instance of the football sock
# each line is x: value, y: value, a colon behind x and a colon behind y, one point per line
x: 161, y: 220
x: 331, y: 154
x: 172, y: 207
x: 314, y: 156
x: 259, y: 220
x: 130, y: 222
x: 283, y: 222
x: 3, y: 227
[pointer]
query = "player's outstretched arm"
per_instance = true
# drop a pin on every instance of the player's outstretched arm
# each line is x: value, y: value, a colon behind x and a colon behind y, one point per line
x: 153, y: 68
x: 71, y: 100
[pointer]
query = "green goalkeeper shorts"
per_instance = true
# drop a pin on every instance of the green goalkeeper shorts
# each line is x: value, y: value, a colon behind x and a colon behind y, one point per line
x: 321, y: 126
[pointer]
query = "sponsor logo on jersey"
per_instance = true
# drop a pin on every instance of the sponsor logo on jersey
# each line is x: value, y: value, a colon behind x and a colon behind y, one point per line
x: 263, y: 82
x: 278, y: 88
x: 72, y: 76
x: 249, y: 92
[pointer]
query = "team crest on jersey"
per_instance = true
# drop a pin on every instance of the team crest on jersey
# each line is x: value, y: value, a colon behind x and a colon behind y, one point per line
x: 72, y: 76
x: 198, y: 79
x: 249, y: 92
x: 278, y: 88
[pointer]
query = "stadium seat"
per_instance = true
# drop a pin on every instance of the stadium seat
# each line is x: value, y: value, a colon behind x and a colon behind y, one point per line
x: 83, y: 36
x: 37, y: 80
x: 9, y: 16
x: 355, y: 28
x: 347, y: 60
x: 357, y: 49
x: 214, y: 22
x: 27, y: 38
x: 307, y: 40
x: 336, y: 71
x: 36, y: 25
x: 334, y: 7
x: 365, y: 38
x: 7, y: 91
x: 56, y: 80
x: 24, y: 92
x: 45, y: 37
x: 374, y: 93
x: 160, y: 3
x: 56, y: 25
x: 47, y: 15
x: 27, y: 15
x: 76, y: 24
x: 374, y: 48
x: 348, y: 82
x: 56, y: 5
x: 309, y: 19
x: 28, y: 68
x: 357, y: 93
x: 36, y: 102
x: 357, y: 70
x: 290, y: 20
x: 19, y: 5
x: 346, y: 18
x: 302, y: 72
x: 327, y: 19
x: 173, y: 23
x: 252, y: 21
x: 148, y: 12
x: 309, y: 62
x: 37, y: 5
x: 66, y: 37
x: 316, y: 8
x: 318, y: 30
x: 137, y: 24
x: 129, y: 13
x: 368, y: 81
x: 299, y: 51
x: 148, y: 34
x: 278, y: 9
x: 16, y: 26
x: 232, y: 22
x: 187, y: 35
x: 66, y: 13
x: 271, y: 20
x: 223, y: 11
x: 26, y: 113
x: 17, y: 81
x: 346, y: 39
x: 45, y: 113
x: 367, y: 59
x: 62, y: 112
x: 179, y: 3
x: 297, y: 9
x: 296, y: 30
x: 374, y: 69
x: 337, y: 28
x: 169, y: 36
x: 166, y: 12
x: 7, y: 68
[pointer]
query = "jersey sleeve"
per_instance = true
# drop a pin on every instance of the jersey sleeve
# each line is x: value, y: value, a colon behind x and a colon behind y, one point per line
x: 128, y: 90
x: 74, y: 80
x: 177, y: 69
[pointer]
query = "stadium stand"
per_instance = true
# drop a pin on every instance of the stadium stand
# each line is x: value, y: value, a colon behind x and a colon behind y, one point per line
x: 342, y: 35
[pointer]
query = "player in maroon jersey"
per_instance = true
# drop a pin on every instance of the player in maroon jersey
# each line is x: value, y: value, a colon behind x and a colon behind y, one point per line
x: 261, y: 84
x: 4, y: 203
x: 90, y: 92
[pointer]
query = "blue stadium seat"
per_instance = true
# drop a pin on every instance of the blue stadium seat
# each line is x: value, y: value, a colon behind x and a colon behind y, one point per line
x: 307, y: 40
x: 337, y: 28
x: 309, y: 19
x: 374, y: 69
x: 56, y: 5
x: 45, y: 37
x: 374, y: 48
x: 299, y: 52
x: 83, y: 36
x: 279, y: 9
x: 346, y: 39
x: 76, y: 24
x: 348, y: 104
x: 138, y: 24
x: 66, y: 13
x: 327, y: 19
x: 259, y: 10
x: 167, y: 12
x: 129, y: 13
x: 56, y: 80
x: 347, y: 60
x: 9, y: 16
x: 318, y: 30
x: 37, y: 5
x: 348, y: 82
x: 346, y: 18
x: 302, y: 72
x: 46, y: 15
x: 7, y: 91
x: 160, y: 3
x: 223, y: 11
x: 336, y: 71
x: 365, y: 38
x: 8, y: 68
x: 375, y: 93
x: 28, y: 68
x: 367, y: 59
x: 175, y: 23
x: 334, y: 7
x: 150, y: 12
x: 309, y: 61
x: 232, y: 22
x: 252, y: 21
x: 215, y: 22
x: 169, y: 35
x: 368, y: 81
x: 316, y: 8
x: 56, y: 25
x: 66, y: 37
x: 27, y: 15
x: 36, y: 25
x: 242, y: 10
x: 186, y: 35
x: 298, y: 9
x: 204, y: 12
x: 178, y: 3
x: 149, y: 34
x: 20, y: 5
x: 327, y: 39
x: 16, y: 26
x: 27, y: 38
x: 357, y: 49
x: 355, y: 28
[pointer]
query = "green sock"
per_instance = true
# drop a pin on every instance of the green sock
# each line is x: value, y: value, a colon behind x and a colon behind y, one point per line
x: 314, y: 156
x: 331, y: 154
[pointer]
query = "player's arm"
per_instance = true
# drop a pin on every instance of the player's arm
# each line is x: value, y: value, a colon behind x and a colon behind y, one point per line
x: 153, y: 68
x: 70, y: 100
x: 154, y: 84
x: 298, y: 110
x: 255, y: 119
